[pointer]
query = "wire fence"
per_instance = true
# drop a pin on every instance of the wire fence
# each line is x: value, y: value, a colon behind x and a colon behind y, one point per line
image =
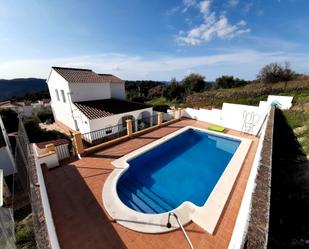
x: 7, y: 228
x: 104, y: 135
x: 28, y: 177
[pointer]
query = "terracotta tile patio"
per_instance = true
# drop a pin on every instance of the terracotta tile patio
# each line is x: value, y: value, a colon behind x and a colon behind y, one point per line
x: 75, y: 194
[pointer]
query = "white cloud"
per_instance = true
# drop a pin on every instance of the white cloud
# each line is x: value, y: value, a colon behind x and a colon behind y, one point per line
x: 244, y: 64
x: 188, y: 4
x: 204, y: 6
x: 211, y: 27
x: 233, y: 3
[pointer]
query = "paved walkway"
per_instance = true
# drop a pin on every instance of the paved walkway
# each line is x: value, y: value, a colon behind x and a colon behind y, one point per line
x: 75, y: 193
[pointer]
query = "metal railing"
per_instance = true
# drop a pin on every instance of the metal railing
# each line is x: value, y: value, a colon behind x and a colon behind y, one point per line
x: 169, y: 225
x: 146, y: 122
x: 167, y: 117
x: 104, y: 135
x: 112, y: 132
x: 62, y: 151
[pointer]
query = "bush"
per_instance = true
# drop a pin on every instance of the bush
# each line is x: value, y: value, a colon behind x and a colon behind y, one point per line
x: 10, y: 120
x: 46, y: 116
x: 227, y: 81
x: 194, y: 83
x: 36, y: 134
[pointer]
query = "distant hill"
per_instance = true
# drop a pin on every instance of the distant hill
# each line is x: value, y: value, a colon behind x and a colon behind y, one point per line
x: 19, y: 87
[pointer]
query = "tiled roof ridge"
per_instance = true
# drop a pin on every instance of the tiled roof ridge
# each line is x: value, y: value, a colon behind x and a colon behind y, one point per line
x: 79, y: 75
x: 72, y: 68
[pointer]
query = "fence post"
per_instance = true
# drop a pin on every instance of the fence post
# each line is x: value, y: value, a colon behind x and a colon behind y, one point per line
x: 160, y: 118
x: 78, y: 142
x: 179, y: 113
x: 129, y: 127
x: 174, y: 113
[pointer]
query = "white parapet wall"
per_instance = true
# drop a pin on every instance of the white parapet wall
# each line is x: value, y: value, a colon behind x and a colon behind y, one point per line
x: 285, y: 102
x: 242, y: 220
x: 45, y: 203
x: 44, y: 156
x: 233, y: 115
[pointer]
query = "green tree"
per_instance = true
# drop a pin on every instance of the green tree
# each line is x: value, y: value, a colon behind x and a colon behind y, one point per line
x: 10, y: 120
x: 156, y: 92
x: 194, y: 83
x: 174, y: 91
x: 227, y: 81
x: 275, y: 72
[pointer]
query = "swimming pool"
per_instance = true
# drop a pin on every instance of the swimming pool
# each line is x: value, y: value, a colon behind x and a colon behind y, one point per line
x: 190, y: 172
x: 184, y: 168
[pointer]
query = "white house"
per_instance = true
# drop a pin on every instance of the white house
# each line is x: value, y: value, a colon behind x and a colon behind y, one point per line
x: 7, y: 163
x: 85, y: 101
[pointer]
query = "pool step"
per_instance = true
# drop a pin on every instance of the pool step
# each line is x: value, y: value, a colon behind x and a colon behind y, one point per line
x: 140, y: 198
x: 156, y: 198
x: 133, y: 201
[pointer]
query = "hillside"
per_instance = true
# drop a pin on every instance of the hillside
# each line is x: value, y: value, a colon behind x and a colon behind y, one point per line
x: 250, y: 94
x: 297, y: 117
x: 19, y: 87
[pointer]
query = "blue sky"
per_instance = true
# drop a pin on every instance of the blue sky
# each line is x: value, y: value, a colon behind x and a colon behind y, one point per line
x: 156, y: 40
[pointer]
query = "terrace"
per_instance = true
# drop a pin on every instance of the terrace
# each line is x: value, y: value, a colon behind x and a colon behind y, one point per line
x: 75, y: 196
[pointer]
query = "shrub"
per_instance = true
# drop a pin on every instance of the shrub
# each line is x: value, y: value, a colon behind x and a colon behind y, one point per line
x: 45, y: 115
x: 10, y: 120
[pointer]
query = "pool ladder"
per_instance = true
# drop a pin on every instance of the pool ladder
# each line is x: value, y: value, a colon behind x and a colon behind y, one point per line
x: 169, y: 225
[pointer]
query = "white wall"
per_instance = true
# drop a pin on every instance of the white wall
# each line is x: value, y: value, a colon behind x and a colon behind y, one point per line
x: 46, y: 207
x: 62, y: 111
x: 118, y: 91
x: 284, y: 101
x: 241, y: 225
x: 83, y: 123
x: 51, y: 160
x: 97, y: 124
x: 231, y: 116
x: 89, y: 91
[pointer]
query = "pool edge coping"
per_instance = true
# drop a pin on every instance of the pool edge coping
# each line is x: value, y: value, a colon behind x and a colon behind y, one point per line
x: 187, y: 211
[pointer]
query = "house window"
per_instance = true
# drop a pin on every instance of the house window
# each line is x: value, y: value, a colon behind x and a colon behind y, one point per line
x: 57, y: 94
x: 108, y: 130
x: 63, y: 96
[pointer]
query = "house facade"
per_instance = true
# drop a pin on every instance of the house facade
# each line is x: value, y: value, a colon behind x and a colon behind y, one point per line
x: 85, y: 101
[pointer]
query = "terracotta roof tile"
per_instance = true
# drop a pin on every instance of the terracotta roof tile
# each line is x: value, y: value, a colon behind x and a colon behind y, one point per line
x: 78, y: 75
x: 107, y: 107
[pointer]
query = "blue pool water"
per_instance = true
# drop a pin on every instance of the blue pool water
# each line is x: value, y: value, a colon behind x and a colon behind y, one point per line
x: 184, y: 168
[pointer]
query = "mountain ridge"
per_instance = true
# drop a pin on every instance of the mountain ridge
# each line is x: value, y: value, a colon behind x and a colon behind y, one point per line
x: 20, y: 86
